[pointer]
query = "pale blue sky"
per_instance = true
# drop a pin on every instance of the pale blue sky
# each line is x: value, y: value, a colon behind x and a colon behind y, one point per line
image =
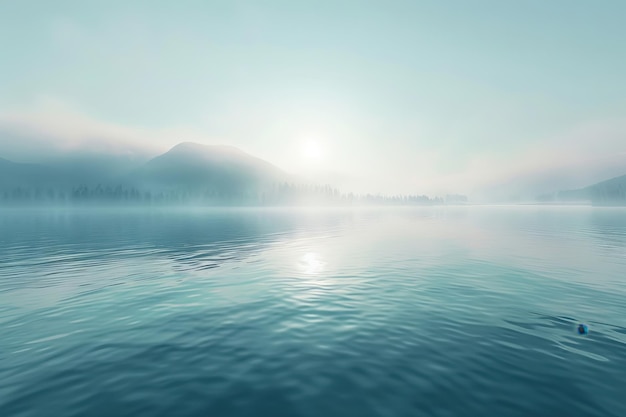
x: 408, y: 96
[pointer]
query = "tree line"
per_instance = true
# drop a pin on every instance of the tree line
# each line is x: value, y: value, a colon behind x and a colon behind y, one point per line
x: 275, y: 195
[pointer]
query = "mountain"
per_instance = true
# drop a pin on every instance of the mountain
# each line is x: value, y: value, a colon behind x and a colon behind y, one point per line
x: 93, y: 169
x: 524, y: 184
x: 14, y: 174
x: 201, y: 168
x: 524, y: 189
x: 189, y: 173
x: 63, y: 173
x: 609, y: 192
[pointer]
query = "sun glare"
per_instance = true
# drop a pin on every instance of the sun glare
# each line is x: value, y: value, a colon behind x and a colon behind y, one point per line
x: 311, y: 264
x: 311, y: 149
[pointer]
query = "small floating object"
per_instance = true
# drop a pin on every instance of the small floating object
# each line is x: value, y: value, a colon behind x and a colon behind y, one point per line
x: 582, y: 329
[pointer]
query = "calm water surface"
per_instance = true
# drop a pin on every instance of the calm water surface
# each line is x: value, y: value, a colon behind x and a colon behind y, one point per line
x: 392, y: 312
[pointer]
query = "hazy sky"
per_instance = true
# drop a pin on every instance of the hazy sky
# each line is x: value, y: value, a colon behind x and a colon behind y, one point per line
x: 415, y: 96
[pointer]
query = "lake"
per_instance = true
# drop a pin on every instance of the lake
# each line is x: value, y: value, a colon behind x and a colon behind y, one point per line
x: 438, y: 311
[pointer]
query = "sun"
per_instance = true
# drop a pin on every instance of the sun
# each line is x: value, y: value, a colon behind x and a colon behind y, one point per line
x: 311, y: 149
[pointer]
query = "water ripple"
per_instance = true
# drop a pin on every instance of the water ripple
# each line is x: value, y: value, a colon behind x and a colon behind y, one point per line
x: 368, y: 313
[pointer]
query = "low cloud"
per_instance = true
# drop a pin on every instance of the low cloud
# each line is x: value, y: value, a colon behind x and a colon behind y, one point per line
x: 54, y: 129
x: 578, y: 157
x: 583, y: 155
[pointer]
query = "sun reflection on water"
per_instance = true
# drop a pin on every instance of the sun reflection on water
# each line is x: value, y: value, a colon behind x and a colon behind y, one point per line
x: 311, y: 264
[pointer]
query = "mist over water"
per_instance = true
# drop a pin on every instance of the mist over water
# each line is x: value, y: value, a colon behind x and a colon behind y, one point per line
x: 436, y: 311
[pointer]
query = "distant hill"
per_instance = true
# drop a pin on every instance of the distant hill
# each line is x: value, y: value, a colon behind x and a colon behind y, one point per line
x: 187, y: 172
x: 194, y: 167
x: 13, y: 174
x: 609, y: 192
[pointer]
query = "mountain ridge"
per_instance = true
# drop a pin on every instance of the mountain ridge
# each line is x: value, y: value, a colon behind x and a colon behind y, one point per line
x: 608, y: 192
x: 188, y: 173
x: 195, y: 166
x: 187, y: 169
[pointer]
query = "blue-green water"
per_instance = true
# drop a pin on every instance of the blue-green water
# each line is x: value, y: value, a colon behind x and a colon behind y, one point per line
x: 391, y: 312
